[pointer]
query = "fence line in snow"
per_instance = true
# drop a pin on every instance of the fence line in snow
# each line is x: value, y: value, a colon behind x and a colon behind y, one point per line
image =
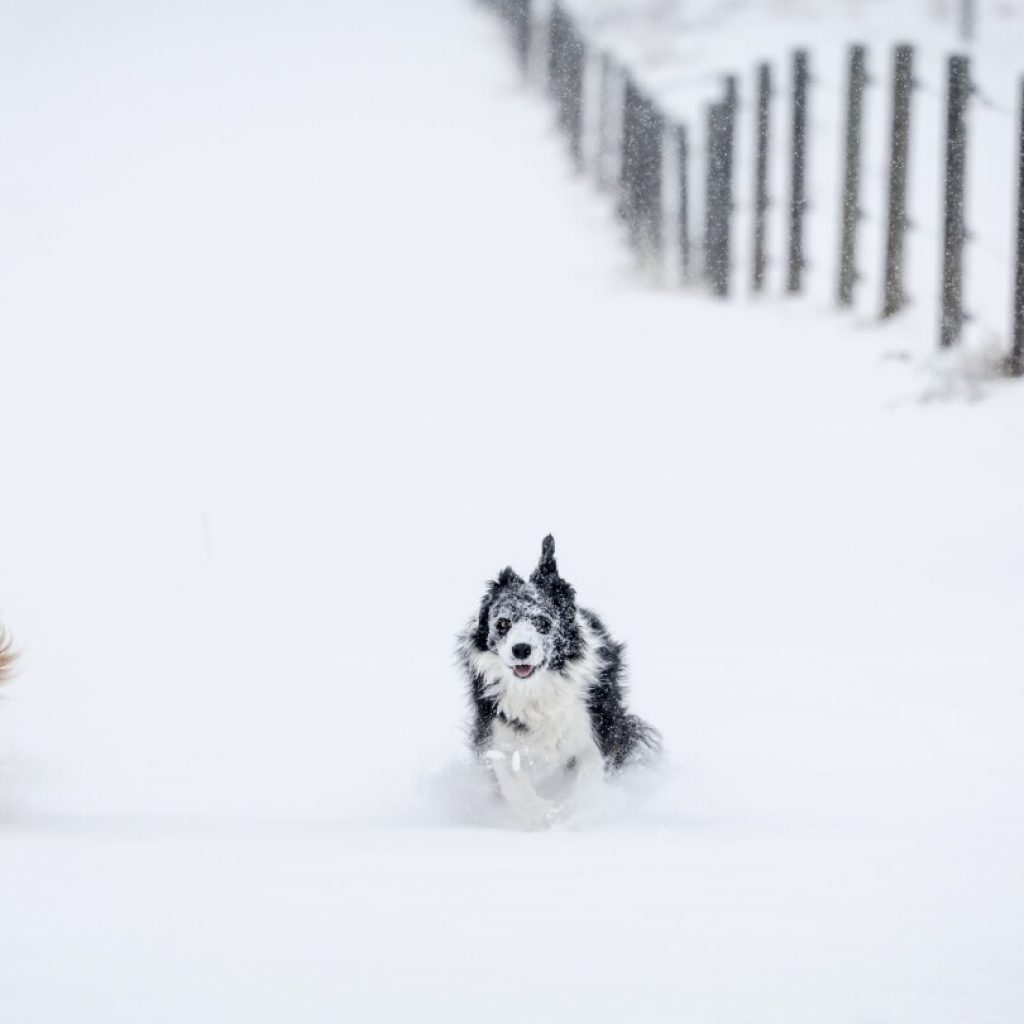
x: 634, y: 136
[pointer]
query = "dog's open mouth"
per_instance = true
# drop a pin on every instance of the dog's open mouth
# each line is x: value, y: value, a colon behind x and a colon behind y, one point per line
x: 524, y: 671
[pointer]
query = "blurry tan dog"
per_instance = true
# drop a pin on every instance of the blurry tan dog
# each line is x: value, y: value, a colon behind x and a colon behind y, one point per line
x: 7, y: 655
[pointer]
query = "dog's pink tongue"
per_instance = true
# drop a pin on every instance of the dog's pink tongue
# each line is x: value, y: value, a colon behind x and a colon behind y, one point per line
x: 523, y: 671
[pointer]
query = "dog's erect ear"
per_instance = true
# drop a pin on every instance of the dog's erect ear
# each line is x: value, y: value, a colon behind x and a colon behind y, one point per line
x: 546, y: 577
x: 546, y: 573
x: 546, y: 566
x: 508, y: 578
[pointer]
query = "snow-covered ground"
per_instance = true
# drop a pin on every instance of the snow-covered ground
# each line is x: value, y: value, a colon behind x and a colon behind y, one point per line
x: 307, y: 331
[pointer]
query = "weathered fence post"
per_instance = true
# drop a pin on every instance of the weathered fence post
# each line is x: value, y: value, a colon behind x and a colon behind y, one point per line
x: 651, y: 206
x: 851, y: 213
x: 576, y: 59
x: 798, y: 173
x: 895, y: 244
x: 713, y: 195
x: 954, y: 234
x: 606, y: 123
x: 683, y: 209
x: 566, y: 63
x: 629, y: 163
x: 1016, y: 363
x: 728, y: 156
x: 711, y: 159
x: 519, y: 16
x: 718, y: 195
x: 761, y: 201
x: 556, y: 56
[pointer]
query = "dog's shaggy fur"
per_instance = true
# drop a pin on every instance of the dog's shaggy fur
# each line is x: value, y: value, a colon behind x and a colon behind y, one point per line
x: 7, y: 656
x: 547, y: 689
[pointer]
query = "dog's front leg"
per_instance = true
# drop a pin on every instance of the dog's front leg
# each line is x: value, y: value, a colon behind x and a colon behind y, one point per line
x: 518, y: 790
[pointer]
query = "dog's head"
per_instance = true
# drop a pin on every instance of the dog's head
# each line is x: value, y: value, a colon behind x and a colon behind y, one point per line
x: 529, y: 625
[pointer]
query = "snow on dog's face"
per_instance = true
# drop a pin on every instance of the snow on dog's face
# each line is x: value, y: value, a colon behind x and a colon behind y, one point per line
x: 530, y: 625
x: 519, y: 624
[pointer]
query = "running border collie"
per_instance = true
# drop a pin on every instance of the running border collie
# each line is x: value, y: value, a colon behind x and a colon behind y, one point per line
x: 547, y: 690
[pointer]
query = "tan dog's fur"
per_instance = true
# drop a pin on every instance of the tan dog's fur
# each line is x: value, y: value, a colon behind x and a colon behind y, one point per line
x: 7, y: 655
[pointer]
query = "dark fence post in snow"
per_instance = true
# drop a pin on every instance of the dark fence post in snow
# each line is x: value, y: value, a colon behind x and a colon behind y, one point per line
x: 566, y: 64
x: 642, y: 140
x: 798, y: 174
x: 628, y: 176
x: 764, y: 93
x: 556, y: 56
x: 522, y: 29
x: 641, y: 180
x: 639, y: 175
x: 575, y: 58
x: 561, y: 75
x: 683, y: 208
x: 711, y: 179
x: 903, y: 83
x: 580, y: 56
x: 654, y: 125
x: 606, y: 122
x: 851, y: 213
x: 712, y: 193
x: 718, y: 194
x: 954, y: 234
x: 728, y: 156
x: 1016, y: 364
x: 516, y: 14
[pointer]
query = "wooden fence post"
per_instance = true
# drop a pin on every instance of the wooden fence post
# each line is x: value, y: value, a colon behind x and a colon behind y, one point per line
x: 652, y: 129
x: 718, y: 201
x: 576, y: 64
x: 711, y: 178
x: 895, y: 244
x: 629, y: 164
x: 954, y: 234
x: 640, y: 203
x: 683, y: 209
x: 556, y: 56
x: 798, y: 174
x: 761, y: 200
x: 729, y: 160
x: 566, y: 65
x: 851, y: 212
x: 1016, y: 363
x: 606, y: 124
x: 517, y: 14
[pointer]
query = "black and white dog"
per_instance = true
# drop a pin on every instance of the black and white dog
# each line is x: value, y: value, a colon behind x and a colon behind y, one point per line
x: 547, y: 688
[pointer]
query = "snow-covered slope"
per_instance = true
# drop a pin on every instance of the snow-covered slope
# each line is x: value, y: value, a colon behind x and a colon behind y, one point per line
x: 306, y: 333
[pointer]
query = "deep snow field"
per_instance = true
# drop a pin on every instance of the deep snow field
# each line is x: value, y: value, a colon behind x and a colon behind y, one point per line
x: 308, y: 331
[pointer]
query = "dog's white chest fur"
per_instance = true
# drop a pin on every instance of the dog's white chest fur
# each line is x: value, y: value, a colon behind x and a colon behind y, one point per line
x: 545, y: 718
x: 547, y: 722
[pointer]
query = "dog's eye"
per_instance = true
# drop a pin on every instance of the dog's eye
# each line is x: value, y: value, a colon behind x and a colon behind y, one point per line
x: 543, y: 625
x: 502, y: 626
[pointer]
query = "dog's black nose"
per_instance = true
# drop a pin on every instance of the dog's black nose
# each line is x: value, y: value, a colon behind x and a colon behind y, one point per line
x: 521, y: 651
